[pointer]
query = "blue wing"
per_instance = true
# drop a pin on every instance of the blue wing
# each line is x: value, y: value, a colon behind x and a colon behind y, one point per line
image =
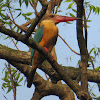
x: 37, y: 37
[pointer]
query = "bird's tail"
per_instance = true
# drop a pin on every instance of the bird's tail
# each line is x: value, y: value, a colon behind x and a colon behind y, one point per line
x: 30, y: 78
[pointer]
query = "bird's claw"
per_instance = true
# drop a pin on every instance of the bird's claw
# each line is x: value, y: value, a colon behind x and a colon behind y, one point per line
x: 46, y: 49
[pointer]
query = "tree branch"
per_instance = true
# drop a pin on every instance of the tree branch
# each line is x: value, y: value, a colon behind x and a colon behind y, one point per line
x: 44, y: 87
x: 14, y: 55
x: 43, y: 2
x: 35, y: 22
x: 82, y: 45
x: 30, y: 42
x: 24, y: 58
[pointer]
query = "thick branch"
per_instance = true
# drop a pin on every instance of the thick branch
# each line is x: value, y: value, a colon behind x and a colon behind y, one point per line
x: 82, y: 45
x: 73, y: 85
x: 44, y: 87
x: 14, y: 55
x: 43, y: 2
x: 35, y: 22
x: 47, y: 88
x: 24, y: 58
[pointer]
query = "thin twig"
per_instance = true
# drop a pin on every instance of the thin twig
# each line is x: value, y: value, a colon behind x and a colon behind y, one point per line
x: 14, y: 43
x: 12, y: 82
x: 68, y: 45
x: 89, y: 15
x: 34, y: 7
x: 85, y: 27
x: 10, y: 12
x: 16, y: 24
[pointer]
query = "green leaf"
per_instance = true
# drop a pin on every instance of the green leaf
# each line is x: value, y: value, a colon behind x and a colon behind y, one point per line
x: 32, y: 1
x: 91, y: 50
x: 70, y: 5
x: 87, y: 3
x: 59, y: 10
x: 7, y: 1
x: 98, y: 97
x: 94, y: 9
x: 9, y: 89
x: 68, y: 1
x: 74, y: 10
x: 4, y: 85
x: 18, y: 84
x: 89, y: 20
x: 99, y: 50
x: 18, y: 9
x: 29, y: 13
x: 6, y: 73
x: 20, y: 80
x: 6, y: 79
x: 13, y: 72
x: 97, y: 10
x: 97, y: 68
x: 26, y: 2
x: 17, y: 77
x: 95, y: 53
x: 91, y: 7
x: 20, y: 2
x: 72, y: 15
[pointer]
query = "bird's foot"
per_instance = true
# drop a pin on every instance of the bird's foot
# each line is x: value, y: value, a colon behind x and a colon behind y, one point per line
x: 46, y: 49
x: 53, y: 58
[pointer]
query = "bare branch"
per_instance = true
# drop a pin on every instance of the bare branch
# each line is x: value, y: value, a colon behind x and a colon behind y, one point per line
x: 83, y: 49
x: 43, y: 2
x: 34, y: 6
x: 68, y: 45
x: 12, y: 81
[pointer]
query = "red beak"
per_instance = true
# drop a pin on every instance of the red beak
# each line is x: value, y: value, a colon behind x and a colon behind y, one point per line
x: 65, y: 18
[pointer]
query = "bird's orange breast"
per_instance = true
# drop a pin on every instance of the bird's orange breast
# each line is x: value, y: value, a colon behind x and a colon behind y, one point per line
x: 50, y: 34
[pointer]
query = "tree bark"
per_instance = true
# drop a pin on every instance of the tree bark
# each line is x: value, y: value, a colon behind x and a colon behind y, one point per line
x: 82, y: 45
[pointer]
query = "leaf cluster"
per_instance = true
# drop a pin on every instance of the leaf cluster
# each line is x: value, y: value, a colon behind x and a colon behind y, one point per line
x: 16, y: 76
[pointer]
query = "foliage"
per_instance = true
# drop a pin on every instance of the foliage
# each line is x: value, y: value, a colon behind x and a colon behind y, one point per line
x: 95, y: 53
x: 8, y: 5
x: 16, y: 76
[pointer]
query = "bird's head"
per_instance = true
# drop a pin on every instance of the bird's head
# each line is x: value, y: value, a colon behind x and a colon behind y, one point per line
x: 58, y: 18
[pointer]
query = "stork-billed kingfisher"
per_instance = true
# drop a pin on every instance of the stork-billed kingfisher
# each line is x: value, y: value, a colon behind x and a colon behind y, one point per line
x: 46, y: 36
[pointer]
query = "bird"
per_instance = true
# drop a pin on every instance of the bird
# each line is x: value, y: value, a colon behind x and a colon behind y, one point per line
x: 46, y: 36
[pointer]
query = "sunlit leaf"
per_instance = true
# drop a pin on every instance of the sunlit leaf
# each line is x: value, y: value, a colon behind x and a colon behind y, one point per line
x: 20, y: 80
x: 91, y: 50
x: 72, y: 15
x: 20, y: 2
x: 4, y: 85
x: 74, y: 10
x: 70, y: 5
x: 9, y: 89
x: 89, y: 20
x: 95, y: 53
x: 26, y: 2
x: 32, y: 1
x: 68, y: 1
x: 97, y: 68
x: 17, y: 77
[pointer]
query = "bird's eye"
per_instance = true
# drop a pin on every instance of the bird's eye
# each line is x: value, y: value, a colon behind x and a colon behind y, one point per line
x: 51, y: 16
